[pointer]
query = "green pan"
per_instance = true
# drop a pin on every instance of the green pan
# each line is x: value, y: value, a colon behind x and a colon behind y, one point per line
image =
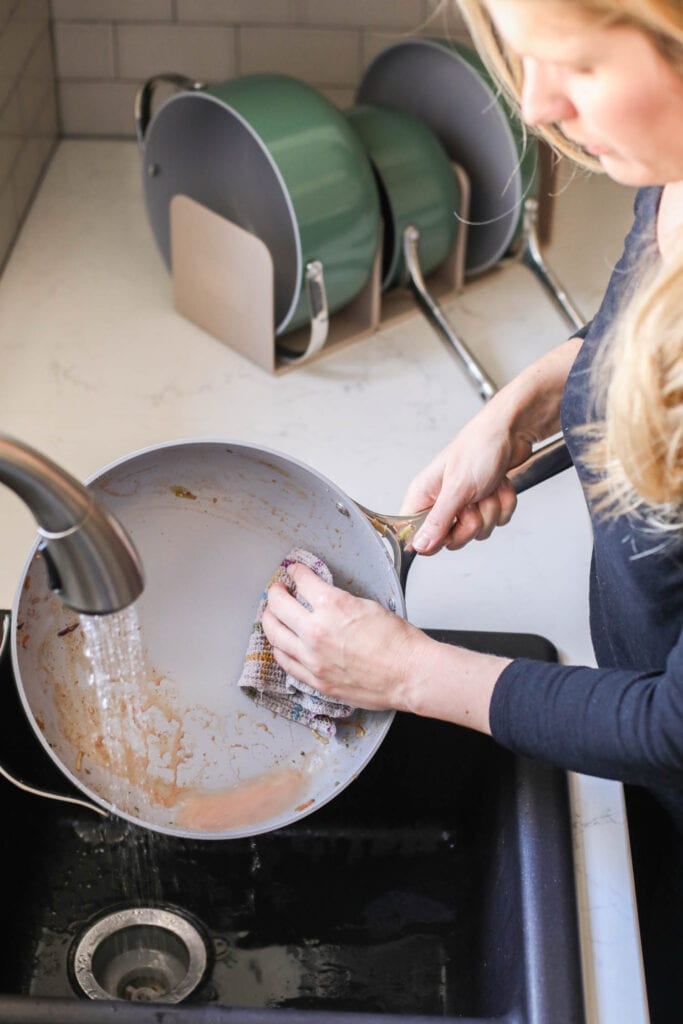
x: 417, y: 187
x: 272, y: 155
x: 447, y: 87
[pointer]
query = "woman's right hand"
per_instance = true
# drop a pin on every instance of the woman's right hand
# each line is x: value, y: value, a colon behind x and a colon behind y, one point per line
x: 466, y: 486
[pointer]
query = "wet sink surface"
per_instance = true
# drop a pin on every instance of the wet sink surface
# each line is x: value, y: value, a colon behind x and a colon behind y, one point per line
x: 439, y: 884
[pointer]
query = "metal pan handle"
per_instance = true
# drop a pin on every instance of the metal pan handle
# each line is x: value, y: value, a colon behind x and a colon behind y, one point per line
x: 145, y: 96
x: 529, y: 255
x: 474, y: 369
x: 319, y: 316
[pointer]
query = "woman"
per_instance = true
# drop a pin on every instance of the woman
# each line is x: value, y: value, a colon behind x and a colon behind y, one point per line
x: 603, y: 81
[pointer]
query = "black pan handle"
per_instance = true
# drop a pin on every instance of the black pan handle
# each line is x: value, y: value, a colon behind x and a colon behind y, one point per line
x: 549, y: 459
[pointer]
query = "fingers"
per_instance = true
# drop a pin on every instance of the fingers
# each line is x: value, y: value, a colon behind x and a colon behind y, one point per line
x: 284, y: 620
x: 508, y: 502
x: 309, y: 587
x: 473, y: 522
x: 286, y: 609
x: 478, y: 521
x: 446, y: 511
x: 288, y: 625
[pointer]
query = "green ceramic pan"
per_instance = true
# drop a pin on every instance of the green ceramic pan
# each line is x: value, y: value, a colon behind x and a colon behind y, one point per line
x: 447, y: 87
x: 416, y: 183
x: 272, y: 155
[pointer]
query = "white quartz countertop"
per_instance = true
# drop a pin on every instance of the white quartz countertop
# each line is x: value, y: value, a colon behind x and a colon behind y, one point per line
x: 95, y: 364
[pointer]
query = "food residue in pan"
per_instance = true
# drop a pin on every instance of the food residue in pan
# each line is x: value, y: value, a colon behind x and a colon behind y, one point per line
x: 68, y: 629
x: 182, y: 492
x: 260, y: 799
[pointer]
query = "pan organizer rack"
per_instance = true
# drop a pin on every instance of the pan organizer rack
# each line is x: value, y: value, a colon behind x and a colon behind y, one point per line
x: 223, y: 282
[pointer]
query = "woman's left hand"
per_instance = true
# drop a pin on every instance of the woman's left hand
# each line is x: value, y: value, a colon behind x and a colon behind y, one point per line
x: 347, y: 647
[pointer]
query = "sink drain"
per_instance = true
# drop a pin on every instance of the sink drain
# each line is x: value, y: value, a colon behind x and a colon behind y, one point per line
x: 142, y: 954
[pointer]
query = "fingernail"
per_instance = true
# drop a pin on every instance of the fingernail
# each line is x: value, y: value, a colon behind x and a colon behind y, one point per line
x: 421, y: 541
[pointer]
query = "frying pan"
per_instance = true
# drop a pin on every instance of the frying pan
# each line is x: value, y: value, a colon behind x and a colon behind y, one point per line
x: 446, y: 85
x: 210, y: 520
x: 274, y: 156
x: 421, y: 200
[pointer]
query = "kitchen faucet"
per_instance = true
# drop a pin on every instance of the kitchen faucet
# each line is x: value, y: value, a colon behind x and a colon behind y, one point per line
x: 91, y: 562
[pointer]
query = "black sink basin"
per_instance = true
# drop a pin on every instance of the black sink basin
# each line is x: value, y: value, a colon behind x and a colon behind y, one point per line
x: 439, y: 884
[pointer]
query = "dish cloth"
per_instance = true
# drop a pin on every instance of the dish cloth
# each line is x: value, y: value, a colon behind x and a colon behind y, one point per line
x: 268, y: 684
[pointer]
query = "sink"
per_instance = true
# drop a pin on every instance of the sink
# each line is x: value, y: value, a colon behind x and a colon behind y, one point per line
x: 438, y: 884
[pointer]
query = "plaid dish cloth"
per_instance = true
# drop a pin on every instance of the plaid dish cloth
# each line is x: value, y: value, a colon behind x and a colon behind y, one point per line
x: 268, y: 684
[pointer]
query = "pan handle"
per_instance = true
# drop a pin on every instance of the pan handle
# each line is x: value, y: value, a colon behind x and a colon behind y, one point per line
x: 485, y: 386
x: 5, y: 624
x: 549, y: 459
x: 145, y: 95
x: 319, y: 316
x: 529, y: 255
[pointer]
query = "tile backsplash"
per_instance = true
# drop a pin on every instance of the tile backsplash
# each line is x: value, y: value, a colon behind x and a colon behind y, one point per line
x: 105, y: 48
x: 28, y: 109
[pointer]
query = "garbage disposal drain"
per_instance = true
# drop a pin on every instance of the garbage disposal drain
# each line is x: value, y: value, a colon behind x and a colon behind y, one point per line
x: 142, y: 954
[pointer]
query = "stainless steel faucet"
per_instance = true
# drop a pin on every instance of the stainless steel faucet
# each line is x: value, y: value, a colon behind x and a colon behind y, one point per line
x: 91, y: 562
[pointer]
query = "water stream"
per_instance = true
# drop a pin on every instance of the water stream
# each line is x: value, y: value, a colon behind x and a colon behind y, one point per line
x: 118, y: 674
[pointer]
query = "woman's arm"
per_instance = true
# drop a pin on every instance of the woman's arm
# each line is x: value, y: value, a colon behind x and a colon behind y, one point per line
x: 613, y: 723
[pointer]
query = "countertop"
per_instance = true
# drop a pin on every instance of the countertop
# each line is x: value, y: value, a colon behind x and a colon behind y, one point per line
x: 95, y: 364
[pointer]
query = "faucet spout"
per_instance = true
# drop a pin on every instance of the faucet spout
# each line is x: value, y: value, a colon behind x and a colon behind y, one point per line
x: 91, y: 561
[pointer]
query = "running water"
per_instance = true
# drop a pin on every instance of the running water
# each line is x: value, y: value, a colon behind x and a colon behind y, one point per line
x: 118, y: 675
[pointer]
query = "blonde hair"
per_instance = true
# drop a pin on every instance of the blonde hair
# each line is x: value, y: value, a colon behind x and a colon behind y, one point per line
x: 637, y: 449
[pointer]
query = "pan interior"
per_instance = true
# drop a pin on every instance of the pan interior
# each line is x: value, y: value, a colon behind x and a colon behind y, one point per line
x: 198, y: 146
x: 431, y: 81
x: 211, y: 522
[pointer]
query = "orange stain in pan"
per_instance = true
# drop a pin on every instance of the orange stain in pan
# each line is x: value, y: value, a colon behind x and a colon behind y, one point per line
x: 260, y: 799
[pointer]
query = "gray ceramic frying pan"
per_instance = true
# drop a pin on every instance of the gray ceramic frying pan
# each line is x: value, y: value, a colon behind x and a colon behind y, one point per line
x: 211, y: 520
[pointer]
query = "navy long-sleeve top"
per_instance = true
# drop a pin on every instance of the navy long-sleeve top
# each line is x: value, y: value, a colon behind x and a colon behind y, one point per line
x: 624, y: 719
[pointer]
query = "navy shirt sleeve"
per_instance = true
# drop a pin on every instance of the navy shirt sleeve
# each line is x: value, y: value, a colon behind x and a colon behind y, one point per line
x: 610, y: 722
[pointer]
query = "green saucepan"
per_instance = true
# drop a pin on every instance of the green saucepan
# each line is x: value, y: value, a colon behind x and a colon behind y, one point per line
x: 417, y: 187
x: 275, y: 157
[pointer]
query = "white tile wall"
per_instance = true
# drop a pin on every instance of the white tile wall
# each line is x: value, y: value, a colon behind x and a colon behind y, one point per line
x: 28, y: 109
x: 106, y: 48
